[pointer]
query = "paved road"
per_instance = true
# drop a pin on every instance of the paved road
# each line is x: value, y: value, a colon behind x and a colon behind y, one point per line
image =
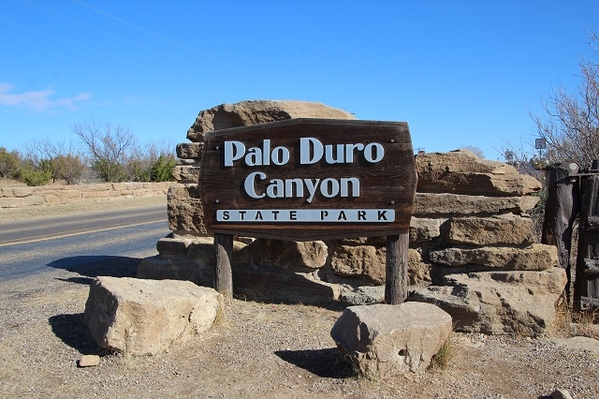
x: 96, y: 243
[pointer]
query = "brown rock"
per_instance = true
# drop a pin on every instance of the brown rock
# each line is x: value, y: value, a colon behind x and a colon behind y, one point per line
x: 146, y: 317
x: 499, y: 302
x: 360, y: 261
x: 461, y: 172
x: 532, y: 257
x: 382, y: 340
x: 89, y: 361
x: 190, y: 150
x: 424, y: 229
x: 254, y: 112
x: 187, y: 173
x: 184, y: 207
x: 288, y: 255
x: 507, y: 229
x: 447, y: 205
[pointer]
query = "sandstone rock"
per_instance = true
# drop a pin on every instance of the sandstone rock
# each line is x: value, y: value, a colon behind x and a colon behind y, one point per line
x: 424, y: 229
x: 365, y: 262
x: 446, y: 205
x: 419, y: 272
x: 146, y: 317
x: 89, y: 361
x: 184, y: 207
x: 190, y: 150
x: 288, y: 255
x: 461, y: 172
x: 499, y: 302
x: 509, y: 230
x: 187, y: 173
x: 532, y: 257
x: 247, y: 113
x: 382, y: 340
x: 362, y: 295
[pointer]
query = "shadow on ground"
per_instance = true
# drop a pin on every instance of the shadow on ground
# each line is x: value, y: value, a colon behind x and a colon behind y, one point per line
x: 326, y: 363
x: 93, y: 266
x: 71, y: 330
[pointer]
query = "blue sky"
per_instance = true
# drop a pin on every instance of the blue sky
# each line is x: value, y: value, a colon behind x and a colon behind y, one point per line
x: 459, y: 72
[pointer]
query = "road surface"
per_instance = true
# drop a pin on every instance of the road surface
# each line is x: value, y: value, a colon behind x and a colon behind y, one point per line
x: 93, y: 243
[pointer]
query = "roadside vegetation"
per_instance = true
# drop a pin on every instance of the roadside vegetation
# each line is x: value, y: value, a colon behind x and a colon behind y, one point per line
x: 100, y: 151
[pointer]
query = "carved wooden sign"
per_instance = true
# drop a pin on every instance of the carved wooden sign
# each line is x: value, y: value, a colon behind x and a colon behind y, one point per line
x: 309, y: 179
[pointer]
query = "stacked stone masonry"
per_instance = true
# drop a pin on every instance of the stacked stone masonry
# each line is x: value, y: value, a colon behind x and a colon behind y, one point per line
x: 472, y: 250
x: 23, y: 196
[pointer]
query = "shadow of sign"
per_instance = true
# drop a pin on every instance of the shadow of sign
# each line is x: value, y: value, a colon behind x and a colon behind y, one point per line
x: 326, y: 363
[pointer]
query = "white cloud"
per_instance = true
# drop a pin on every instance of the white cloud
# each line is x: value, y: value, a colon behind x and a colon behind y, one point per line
x: 38, y: 100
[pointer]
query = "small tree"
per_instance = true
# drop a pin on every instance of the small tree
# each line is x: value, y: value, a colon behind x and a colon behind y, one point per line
x: 61, y: 159
x: 109, y: 147
x: 571, y: 126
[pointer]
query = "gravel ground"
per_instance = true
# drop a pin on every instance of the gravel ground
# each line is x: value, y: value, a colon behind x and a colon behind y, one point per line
x: 259, y: 350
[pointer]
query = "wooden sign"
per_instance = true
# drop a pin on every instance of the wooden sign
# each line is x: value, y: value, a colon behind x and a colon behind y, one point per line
x: 309, y: 179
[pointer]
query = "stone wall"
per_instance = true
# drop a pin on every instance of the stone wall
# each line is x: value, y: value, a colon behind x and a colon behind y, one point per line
x: 23, y: 196
x: 472, y: 250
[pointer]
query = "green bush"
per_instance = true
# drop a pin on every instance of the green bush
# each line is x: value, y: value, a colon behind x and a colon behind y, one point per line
x: 35, y: 177
x: 162, y: 169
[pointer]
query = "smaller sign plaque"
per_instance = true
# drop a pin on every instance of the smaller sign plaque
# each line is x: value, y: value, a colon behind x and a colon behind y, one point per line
x: 306, y: 215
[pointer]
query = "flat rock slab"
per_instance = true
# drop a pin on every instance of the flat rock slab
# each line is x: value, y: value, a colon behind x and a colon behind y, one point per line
x: 146, y: 317
x: 509, y: 302
x: 382, y: 340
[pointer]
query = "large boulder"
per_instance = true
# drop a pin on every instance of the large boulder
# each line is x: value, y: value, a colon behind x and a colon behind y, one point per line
x: 462, y: 172
x: 255, y: 112
x: 510, y: 302
x: 382, y: 340
x: 146, y: 317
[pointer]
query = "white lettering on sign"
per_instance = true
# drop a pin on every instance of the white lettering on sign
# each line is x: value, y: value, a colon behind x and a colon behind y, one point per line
x: 299, y: 188
x: 257, y: 185
x: 306, y: 215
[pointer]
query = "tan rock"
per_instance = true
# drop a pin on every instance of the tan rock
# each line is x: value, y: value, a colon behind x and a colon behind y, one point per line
x: 187, y: 173
x: 382, y: 340
x: 146, y: 317
x: 424, y: 229
x: 364, y: 262
x: 184, y: 207
x: 507, y: 229
x: 288, y: 255
x: 190, y: 150
x: 461, y: 172
x: 254, y: 112
x: 419, y: 272
x: 499, y: 302
x: 89, y: 361
x: 532, y: 257
x: 446, y: 205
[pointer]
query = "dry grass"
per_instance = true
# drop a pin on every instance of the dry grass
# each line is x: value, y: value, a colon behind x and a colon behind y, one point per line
x: 443, y: 358
x: 569, y: 323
